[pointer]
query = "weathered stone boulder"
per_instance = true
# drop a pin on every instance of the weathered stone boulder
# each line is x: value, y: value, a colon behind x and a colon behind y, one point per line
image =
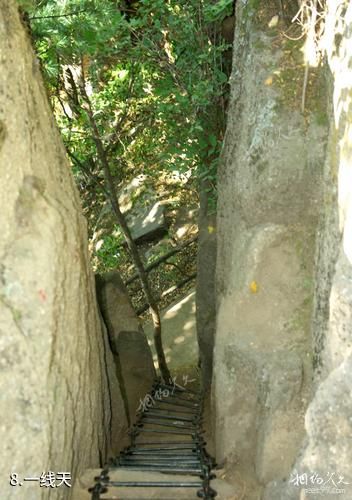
x: 147, y: 224
x: 132, y: 354
x: 60, y: 403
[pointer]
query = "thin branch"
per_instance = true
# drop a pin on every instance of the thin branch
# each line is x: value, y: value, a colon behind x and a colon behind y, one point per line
x: 179, y: 285
x: 176, y: 266
x: 63, y: 107
x: 54, y: 16
x: 162, y: 259
x: 86, y: 170
x: 123, y: 118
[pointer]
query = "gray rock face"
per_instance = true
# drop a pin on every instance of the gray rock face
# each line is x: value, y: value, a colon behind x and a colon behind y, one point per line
x: 148, y: 225
x: 60, y: 404
x: 328, y: 423
x: 281, y: 409
x: 206, y: 302
x: 269, y: 213
x: 327, y: 450
x: 132, y: 354
x: 269, y: 197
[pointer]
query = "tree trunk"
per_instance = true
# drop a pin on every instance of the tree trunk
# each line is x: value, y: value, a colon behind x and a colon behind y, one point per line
x: 111, y: 193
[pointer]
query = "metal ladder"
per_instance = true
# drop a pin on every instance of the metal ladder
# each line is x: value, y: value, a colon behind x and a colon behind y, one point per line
x: 175, y: 412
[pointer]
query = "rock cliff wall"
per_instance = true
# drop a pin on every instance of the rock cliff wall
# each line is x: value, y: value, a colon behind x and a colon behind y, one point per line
x: 270, y: 198
x: 205, y: 292
x: 60, y: 404
x: 282, y: 362
x: 326, y: 450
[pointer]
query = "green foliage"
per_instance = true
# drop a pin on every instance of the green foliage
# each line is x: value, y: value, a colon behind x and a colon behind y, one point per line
x: 219, y: 10
x: 109, y: 252
x: 152, y: 77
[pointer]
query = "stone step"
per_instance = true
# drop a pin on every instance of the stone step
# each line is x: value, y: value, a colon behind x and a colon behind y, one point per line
x: 224, y: 490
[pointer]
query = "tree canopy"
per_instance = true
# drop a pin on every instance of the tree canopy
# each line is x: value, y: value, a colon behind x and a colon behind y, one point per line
x: 154, y: 74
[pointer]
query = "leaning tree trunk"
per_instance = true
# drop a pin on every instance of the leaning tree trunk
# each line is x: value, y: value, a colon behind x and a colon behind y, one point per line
x: 111, y: 193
